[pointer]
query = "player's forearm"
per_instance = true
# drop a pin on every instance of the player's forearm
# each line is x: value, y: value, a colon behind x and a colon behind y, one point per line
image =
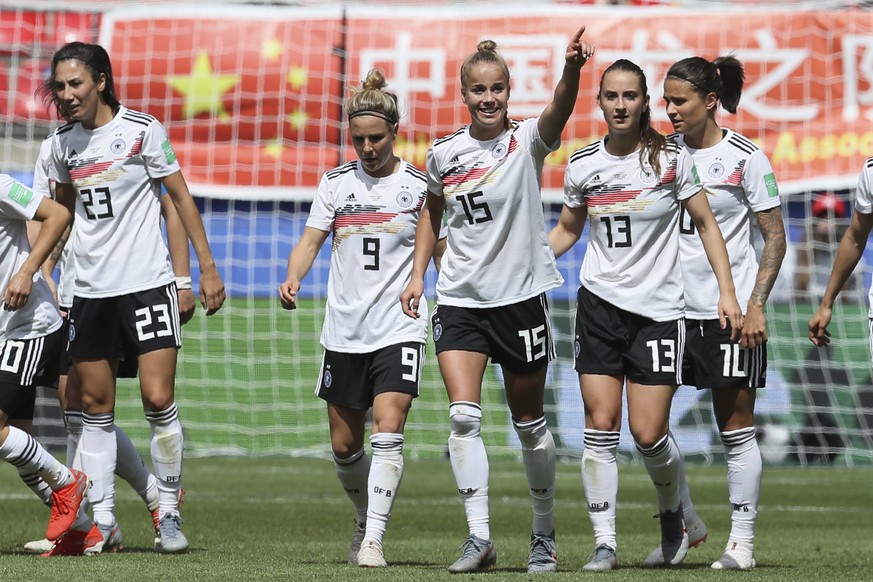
x: 773, y: 230
x: 848, y: 255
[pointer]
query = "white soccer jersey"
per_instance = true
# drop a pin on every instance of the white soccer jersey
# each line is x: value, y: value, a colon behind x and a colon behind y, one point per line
x: 739, y: 181
x: 498, y: 252
x: 632, y: 259
x: 373, y: 221
x: 39, y: 316
x: 42, y: 186
x: 864, y: 205
x: 116, y: 171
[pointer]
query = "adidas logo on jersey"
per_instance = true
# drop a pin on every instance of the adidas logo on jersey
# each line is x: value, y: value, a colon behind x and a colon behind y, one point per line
x: 454, y: 161
x: 351, y: 198
x: 595, y: 179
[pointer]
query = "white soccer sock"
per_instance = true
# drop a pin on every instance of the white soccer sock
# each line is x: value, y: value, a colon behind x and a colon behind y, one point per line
x: 353, y: 473
x: 73, y: 422
x: 600, y: 482
x: 130, y: 466
x: 662, y: 463
x: 688, y: 510
x: 744, y: 481
x: 386, y: 471
x: 538, y: 455
x: 470, y: 465
x: 21, y: 450
x: 167, y: 444
x: 37, y: 485
x: 98, y: 452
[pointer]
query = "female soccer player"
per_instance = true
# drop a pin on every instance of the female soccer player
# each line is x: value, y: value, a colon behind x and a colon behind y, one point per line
x: 742, y: 191
x: 109, y: 164
x: 491, y: 288
x: 629, y: 320
x: 373, y: 353
x: 848, y: 254
x: 130, y: 465
x: 30, y: 345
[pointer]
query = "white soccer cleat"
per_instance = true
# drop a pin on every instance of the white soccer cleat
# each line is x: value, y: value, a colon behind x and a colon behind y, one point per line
x: 603, y: 560
x: 370, y: 555
x: 737, y: 556
x: 39, y: 546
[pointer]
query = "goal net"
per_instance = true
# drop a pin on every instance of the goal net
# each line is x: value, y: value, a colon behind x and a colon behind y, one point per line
x: 252, y: 99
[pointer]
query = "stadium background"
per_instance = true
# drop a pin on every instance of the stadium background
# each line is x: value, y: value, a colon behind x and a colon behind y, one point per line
x: 251, y: 96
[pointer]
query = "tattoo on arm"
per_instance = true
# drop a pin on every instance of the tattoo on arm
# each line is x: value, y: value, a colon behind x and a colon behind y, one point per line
x: 55, y: 255
x: 773, y: 231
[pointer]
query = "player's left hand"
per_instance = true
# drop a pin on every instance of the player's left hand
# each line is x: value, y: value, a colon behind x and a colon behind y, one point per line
x: 211, y: 290
x: 754, y: 331
x: 187, y: 305
x: 17, y: 292
x: 729, y: 313
x: 579, y: 51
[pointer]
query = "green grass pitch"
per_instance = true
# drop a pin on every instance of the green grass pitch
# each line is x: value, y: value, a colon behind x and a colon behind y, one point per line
x: 288, y: 519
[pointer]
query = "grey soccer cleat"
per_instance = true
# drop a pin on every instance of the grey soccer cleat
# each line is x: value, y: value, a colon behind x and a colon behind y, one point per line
x: 172, y: 541
x: 603, y: 560
x: 674, y: 540
x: 476, y: 555
x: 357, y: 538
x: 370, y: 555
x: 543, y: 554
x: 112, y: 542
x: 697, y: 533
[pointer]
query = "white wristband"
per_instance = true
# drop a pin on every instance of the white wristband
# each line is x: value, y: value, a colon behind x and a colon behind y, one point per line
x: 183, y: 283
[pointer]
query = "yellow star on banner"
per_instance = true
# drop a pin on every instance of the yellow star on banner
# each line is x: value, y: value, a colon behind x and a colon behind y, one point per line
x: 297, y: 119
x: 272, y: 49
x: 274, y: 149
x: 203, y: 89
x: 297, y: 77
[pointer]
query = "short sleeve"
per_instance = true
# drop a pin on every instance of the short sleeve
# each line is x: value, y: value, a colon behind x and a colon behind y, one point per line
x: 41, y: 180
x: 434, y: 180
x: 323, y: 211
x: 17, y: 201
x: 574, y: 197
x: 56, y: 165
x: 687, y: 179
x: 864, y: 197
x: 158, y: 153
x: 759, y: 183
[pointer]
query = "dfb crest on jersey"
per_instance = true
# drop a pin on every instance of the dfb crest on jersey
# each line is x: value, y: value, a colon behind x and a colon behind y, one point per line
x: 437, y: 332
x: 648, y: 176
x: 498, y: 150
x: 117, y: 147
x: 405, y: 199
x: 328, y: 378
x: 716, y: 170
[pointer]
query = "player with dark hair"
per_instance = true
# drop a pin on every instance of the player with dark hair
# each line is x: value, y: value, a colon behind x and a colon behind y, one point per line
x: 742, y: 191
x: 109, y: 164
x: 491, y: 291
x: 373, y: 353
x: 630, y: 331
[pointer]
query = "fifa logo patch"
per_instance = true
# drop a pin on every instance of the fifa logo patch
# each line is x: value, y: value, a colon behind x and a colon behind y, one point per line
x: 20, y: 194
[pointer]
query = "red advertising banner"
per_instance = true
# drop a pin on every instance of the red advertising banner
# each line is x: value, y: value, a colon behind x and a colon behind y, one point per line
x: 252, y: 97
